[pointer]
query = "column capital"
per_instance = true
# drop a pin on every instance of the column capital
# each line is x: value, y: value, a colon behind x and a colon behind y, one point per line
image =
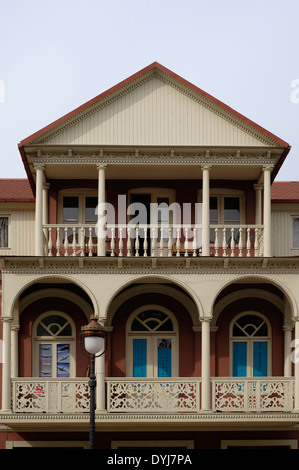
x: 268, y: 167
x: 206, y: 319
x: 101, y: 166
x: 258, y: 187
x: 206, y: 166
x: 39, y: 166
x: 6, y: 319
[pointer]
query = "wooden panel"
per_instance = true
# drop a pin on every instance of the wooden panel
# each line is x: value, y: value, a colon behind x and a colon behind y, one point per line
x: 155, y: 113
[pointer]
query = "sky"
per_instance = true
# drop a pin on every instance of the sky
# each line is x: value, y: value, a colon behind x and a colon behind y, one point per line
x: 57, y: 54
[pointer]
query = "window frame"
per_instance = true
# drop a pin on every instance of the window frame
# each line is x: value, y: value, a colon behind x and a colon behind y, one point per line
x: 152, y: 355
x: 82, y: 194
x: 37, y: 340
x: 249, y: 342
x: 293, y: 218
x: 8, y: 217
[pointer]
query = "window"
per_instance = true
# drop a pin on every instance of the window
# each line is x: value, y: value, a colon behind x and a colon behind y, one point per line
x: 225, y: 210
x: 250, y: 343
x: 79, y: 209
x: 152, y: 344
x: 296, y: 232
x: 3, y: 232
x: 53, y: 346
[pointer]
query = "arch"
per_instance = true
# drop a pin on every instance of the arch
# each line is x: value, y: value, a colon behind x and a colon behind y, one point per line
x: 58, y: 279
x: 150, y: 284
x: 289, y: 302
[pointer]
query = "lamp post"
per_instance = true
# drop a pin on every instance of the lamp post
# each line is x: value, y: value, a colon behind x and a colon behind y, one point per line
x: 94, y: 336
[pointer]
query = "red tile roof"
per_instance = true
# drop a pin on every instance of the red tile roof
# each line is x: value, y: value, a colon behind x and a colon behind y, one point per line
x: 15, y: 190
x: 285, y: 191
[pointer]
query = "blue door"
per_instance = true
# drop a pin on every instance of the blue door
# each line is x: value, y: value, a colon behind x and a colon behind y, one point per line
x: 239, y: 359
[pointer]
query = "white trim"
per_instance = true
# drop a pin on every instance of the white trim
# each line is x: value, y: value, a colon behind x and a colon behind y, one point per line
x: 151, y: 348
x: 48, y: 339
x: 20, y: 444
x: 249, y: 342
x: 291, y: 443
x: 149, y: 443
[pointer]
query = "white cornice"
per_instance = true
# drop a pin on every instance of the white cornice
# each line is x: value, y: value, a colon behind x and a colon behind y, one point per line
x: 150, y: 265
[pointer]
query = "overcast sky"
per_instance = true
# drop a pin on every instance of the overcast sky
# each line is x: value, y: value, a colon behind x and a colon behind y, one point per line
x: 56, y: 55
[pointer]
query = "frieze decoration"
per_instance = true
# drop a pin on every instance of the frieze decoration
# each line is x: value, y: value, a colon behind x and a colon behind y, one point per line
x: 166, y: 158
x: 17, y: 418
x: 165, y: 78
x: 151, y: 265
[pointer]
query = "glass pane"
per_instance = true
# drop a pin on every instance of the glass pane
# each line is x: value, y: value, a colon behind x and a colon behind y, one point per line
x: 164, y: 357
x: 63, y: 360
x: 3, y: 232
x: 260, y: 359
x: 213, y: 210
x: 231, y: 210
x: 70, y: 209
x: 91, y: 204
x: 296, y: 233
x: 239, y: 359
x: 139, y: 357
x: 45, y: 360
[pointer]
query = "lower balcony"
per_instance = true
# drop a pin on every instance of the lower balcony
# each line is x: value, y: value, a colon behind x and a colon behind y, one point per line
x: 146, y: 396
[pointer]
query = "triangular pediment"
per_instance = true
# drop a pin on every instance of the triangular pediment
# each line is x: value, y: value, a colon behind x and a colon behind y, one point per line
x: 154, y: 108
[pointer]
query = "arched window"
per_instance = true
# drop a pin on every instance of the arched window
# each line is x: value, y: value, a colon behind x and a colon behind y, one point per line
x: 250, y: 346
x: 54, y: 346
x: 152, y: 347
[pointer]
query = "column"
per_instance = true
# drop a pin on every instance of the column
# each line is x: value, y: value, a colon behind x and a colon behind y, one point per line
x: 39, y: 251
x: 206, y: 210
x: 295, y: 357
x: 100, y: 375
x: 267, y: 211
x: 287, y: 350
x: 101, y: 202
x: 6, y: 366
x: 205, y: 367
x: 258, y: 203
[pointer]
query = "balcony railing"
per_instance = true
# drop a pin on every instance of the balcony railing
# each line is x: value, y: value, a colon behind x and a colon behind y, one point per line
x: 154, y: 241
x: 160, y: 395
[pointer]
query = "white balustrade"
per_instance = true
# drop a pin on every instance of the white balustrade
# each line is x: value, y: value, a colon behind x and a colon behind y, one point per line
x: 38, y: 395
x: 152, y: 395
x: 171, y: 395
x: 253, y: 394
x: 155, y: 241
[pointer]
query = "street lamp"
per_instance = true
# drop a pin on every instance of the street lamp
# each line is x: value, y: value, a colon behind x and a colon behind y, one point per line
x: 94, y: 336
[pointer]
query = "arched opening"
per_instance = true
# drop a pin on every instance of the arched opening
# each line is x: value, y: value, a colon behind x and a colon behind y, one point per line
x: 146, y: 317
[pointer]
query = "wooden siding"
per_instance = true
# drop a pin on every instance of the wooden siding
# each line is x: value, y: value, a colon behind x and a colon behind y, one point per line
x: 154, y: 113
x: 282, y: 227
x: 20, y: 233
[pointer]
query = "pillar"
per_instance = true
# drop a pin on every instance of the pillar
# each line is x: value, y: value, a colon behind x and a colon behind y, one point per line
x: 267, y: 211
x: 205, y: 367
x: 39, y: 250
x: 295, y: 358
x: 258, y: 204
x: 6, y: 366
x: 206, y: 210
x: 101, y: 234
x: 287, y: 350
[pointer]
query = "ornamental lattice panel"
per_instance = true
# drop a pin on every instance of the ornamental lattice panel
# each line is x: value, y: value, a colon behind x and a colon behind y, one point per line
x: 153, y: 396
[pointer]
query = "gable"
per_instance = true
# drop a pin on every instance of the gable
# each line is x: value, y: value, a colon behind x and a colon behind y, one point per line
x: 156, y: 108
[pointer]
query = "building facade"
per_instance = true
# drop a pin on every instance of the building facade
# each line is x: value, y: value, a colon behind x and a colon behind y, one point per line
x: 154, y: 208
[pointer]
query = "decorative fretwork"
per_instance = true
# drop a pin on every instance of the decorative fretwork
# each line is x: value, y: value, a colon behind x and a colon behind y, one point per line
x: 153, y: 395
x: 50, y: 396
x: 249, y: 395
